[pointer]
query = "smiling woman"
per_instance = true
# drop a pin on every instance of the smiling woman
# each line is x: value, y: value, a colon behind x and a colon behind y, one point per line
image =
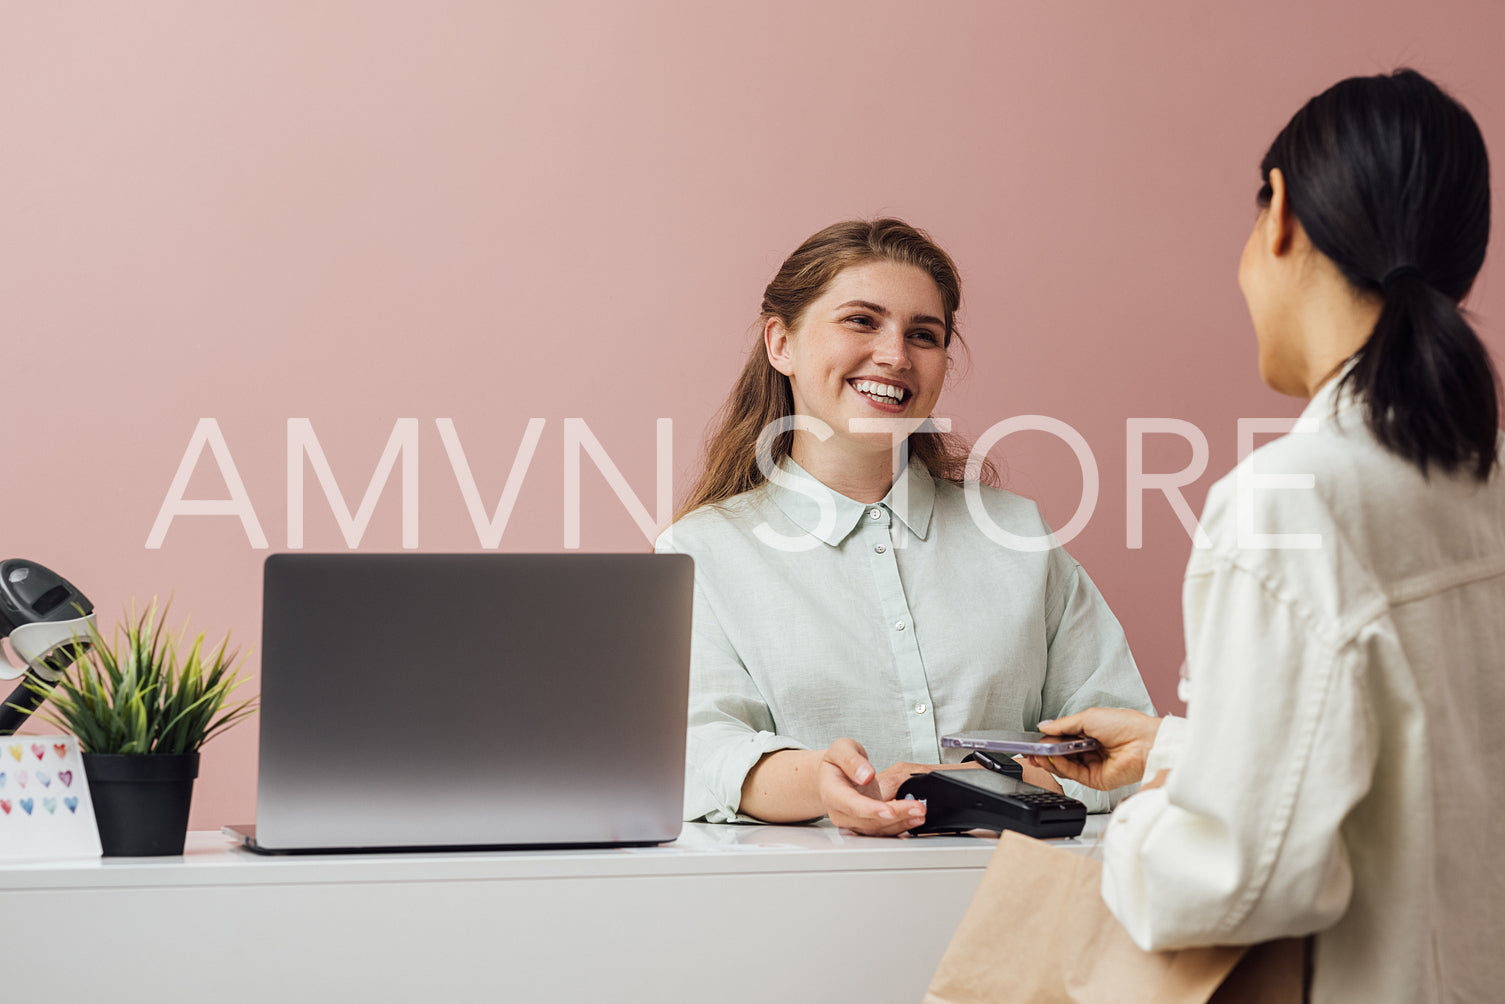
x: 764, y: 394
x: 842, y: 586
x: 872, y: 346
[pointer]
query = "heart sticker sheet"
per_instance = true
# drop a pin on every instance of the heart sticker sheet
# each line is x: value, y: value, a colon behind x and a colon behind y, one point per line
x: 45, y: 811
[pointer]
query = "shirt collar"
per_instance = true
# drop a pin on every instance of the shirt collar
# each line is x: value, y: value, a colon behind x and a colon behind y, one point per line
x: 802, y: 498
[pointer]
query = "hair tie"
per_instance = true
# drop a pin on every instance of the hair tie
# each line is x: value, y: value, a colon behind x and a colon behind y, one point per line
x: 1397, y: 273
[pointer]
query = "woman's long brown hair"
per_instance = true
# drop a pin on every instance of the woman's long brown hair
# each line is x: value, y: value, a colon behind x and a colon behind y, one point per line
x: 762, y: 395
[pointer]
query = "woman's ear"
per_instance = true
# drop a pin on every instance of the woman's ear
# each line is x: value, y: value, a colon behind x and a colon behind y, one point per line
x: 1280, y: 223
x: 776, y: 341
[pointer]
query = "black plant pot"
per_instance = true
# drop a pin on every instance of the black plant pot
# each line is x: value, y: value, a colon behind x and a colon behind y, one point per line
x: 141, y: 800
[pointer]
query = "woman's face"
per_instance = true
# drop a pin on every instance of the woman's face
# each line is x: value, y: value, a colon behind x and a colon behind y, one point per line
x: 1252, y: 281
x: 871, y: 346
x: 1264, y: 276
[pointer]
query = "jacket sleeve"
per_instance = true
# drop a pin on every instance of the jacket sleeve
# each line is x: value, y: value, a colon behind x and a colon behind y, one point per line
x: 1244, y: 842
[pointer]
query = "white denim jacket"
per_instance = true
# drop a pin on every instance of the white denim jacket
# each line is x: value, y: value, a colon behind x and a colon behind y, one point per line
x: 1341, y: 766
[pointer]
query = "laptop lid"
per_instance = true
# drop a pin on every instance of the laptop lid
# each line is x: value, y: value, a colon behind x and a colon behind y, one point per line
x: 472, y: 700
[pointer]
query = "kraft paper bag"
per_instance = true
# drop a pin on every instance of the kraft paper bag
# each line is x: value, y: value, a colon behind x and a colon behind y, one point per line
x: 1038, y: 932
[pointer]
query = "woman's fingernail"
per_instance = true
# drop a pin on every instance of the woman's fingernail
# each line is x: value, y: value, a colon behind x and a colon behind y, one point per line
x: 885, y: 813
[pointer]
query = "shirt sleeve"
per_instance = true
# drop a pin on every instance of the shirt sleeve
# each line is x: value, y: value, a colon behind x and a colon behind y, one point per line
x: 1088, y: 664
x: 730, y: 725
x: 1243, y: 843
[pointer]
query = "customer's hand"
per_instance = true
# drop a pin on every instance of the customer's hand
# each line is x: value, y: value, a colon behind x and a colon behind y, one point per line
x: 853, y: 796
x: 1124, y: 739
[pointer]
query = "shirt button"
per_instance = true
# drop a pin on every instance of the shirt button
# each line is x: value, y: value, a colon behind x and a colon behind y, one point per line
x: 880, y: 549
x: 919, y: 709
x: 899, y: 626
x: 875, y: 513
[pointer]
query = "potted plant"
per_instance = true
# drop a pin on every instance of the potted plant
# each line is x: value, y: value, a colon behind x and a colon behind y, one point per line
x: 141, y: 708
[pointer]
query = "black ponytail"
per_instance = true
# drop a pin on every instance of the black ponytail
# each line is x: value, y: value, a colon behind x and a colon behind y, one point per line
x: 1389, y: 178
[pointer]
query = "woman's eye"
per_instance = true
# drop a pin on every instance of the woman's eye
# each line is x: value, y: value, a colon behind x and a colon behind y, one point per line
x: 860, y: 319
x: 925, y: 335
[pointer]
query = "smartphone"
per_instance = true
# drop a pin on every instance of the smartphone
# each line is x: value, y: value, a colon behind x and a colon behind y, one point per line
x: 1036, y: 743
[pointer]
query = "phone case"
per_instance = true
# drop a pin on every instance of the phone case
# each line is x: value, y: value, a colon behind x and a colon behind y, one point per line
x: 980, y: 741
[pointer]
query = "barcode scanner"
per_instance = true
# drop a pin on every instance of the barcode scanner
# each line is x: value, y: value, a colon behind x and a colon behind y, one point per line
x: 48, y: 623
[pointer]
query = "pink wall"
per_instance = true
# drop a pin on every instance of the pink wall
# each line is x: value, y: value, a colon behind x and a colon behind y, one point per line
x: 356, y: 212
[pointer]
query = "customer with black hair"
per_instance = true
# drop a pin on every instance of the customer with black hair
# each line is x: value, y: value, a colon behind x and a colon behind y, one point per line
x: 1339, y: 769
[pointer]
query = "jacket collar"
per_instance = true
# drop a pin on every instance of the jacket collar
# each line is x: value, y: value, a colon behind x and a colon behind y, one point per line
x: 1330, y: 399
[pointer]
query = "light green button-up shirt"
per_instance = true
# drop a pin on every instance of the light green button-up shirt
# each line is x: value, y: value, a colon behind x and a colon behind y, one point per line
x: 894, y: 623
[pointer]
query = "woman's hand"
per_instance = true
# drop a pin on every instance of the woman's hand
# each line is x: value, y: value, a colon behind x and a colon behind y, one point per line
x: 1124, y: 739
x: 1040, y: 778
x: 896, y: 774
x: 854, y: 797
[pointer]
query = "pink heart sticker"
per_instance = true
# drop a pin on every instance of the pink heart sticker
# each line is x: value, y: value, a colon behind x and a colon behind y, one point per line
x: 61, y: 749
x: 21, y: 777
x: 4, y: 806
x: 65, y: 776
x: 39, y: 750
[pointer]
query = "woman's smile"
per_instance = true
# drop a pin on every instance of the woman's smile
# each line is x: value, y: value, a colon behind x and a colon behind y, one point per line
x: 884, y: 395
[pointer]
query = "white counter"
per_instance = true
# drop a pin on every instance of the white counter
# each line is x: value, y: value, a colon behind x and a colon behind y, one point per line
x: 726, y: 913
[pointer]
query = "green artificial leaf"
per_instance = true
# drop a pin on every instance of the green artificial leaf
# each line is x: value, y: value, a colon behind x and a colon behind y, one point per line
x: 133, y: 693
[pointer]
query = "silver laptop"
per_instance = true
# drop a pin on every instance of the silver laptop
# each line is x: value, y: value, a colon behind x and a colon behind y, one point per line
x: 472, y: 701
